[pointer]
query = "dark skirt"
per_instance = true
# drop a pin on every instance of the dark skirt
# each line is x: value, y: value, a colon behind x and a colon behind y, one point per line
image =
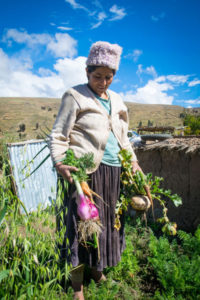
x: 106, y: 183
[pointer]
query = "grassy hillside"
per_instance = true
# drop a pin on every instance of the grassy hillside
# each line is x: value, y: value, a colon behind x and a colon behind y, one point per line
x: 33, y: 112
x: 166, y: 115
x: 37, y: 113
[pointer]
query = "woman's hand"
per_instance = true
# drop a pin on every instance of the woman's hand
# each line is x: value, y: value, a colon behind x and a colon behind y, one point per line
x: 135, y: 167
x: 65, y: 171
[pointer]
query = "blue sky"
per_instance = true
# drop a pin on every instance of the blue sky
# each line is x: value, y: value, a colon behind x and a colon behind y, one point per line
x: 44, y: 45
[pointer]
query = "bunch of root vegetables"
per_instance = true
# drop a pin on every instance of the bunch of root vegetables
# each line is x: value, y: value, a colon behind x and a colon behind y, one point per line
x: 89, y: 226
x: 135, y: 188
x: 140, y: 190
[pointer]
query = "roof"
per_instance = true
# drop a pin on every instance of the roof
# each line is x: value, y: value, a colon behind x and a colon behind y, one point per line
x: 189, y: 145
x: 40, y: 187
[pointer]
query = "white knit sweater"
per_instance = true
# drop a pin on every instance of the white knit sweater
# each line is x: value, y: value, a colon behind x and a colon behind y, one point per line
x: 84, y: 125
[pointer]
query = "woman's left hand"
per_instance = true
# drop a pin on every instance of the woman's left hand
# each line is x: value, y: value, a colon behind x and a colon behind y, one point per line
x: 135, y: 167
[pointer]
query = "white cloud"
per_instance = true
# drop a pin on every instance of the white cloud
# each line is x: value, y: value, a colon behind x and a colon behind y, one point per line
x: 160, y: 79
x: 18, y: 81
x: 76, y: 5
x: 192, y: 101
x: 96, y: 25
x: 149, y: 70
x: 18, y: 76
x: 175, y: 79
x: 101, y: 17
x: 98, y: 4
x: 22, y: 37
x: 45, y: 72
x: 178, y: 79
x: 134, y: 55
x: 152, y: 93
x: 60, y: 45
x: 5, y: 66
x: 72, y: 71
x: 157, y: 18
x: 119, y: 13
x: 9, y: 64
x: 116, y: 80
x: 64, y: 28
x: 156, y: 90
x: 194, y: 82
x: 98, y: 13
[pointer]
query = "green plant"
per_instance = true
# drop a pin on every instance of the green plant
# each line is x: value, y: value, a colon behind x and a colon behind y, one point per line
x: 139, y: 184
x: 193, y: 124
x: 29, y: 256
x: 30, y: 266
x: 150, y: 268
x: 177, y: 265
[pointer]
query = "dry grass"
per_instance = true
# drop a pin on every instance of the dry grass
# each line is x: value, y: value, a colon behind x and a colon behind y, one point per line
x: 30, y: 111
x: 87, y: 229
x: 159, y: 115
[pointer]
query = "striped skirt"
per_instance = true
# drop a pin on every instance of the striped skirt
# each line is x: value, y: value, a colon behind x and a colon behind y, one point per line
x: 105, y: 181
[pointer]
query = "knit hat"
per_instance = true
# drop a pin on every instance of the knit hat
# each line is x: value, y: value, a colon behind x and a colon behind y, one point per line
x: 104, y: 54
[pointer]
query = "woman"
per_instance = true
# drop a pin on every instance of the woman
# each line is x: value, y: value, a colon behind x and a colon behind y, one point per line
x: 93, y: 119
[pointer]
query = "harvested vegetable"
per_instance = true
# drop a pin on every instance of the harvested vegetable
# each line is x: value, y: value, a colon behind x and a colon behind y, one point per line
x: 140, y: 184
x: 89, y: 226
x: 86, y: 209
x: 87, y: 191
x: 140, y: 203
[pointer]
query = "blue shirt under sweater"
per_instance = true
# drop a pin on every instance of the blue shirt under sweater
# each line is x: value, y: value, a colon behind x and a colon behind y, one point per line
x: 112, y: 148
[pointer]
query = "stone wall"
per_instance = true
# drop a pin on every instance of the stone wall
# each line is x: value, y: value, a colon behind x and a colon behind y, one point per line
x: 179, y: 165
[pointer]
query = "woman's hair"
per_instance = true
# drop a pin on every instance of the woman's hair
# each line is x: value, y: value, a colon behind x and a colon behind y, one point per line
x: 91, y: 69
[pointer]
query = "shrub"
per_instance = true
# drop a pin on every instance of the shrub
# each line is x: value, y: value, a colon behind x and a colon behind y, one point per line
x: 22, y: 127
x: 193, y: 125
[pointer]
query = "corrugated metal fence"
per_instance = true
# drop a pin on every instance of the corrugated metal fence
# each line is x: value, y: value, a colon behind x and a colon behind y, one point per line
x: 40, y: 187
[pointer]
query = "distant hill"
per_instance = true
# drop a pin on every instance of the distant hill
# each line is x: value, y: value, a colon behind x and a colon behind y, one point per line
x: 156, y: 114
x: 34, y: 113
x: 25, y: 117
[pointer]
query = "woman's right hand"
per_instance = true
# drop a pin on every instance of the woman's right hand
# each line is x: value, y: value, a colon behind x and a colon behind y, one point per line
x: 65, y: 171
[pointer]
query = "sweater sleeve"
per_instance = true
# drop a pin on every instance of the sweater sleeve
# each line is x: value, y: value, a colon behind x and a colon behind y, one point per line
x: 60, y: 135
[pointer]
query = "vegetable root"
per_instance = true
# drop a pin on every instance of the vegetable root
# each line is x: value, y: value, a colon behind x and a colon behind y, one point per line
x: 88, y: 192
x: 90, y: 229
x: 147, y: 190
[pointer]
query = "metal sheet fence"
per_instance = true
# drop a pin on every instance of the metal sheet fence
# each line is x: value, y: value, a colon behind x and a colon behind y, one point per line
x: 40, y: 187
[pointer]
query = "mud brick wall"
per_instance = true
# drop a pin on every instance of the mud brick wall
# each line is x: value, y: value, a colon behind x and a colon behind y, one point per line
x: 180, y: 168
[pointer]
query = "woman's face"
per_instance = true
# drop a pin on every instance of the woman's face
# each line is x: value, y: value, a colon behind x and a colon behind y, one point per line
x: 100, y: 79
